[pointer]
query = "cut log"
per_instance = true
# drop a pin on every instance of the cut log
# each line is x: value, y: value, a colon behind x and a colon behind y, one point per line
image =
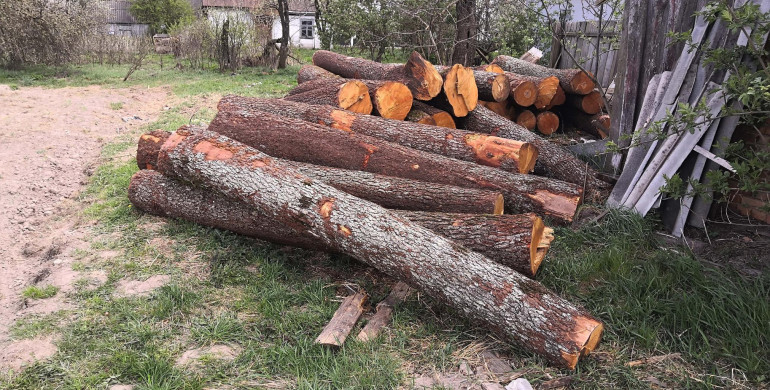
x: 493, y: 87
x: 503, y: 109
x: 386, y: 191
x: 490, y: 68
x: 483, y: 290
x: 597, y: 125
x: 390, y: 99
x: 344, y: 319
x: 574, y: 81
x: 381, y: 318
x: 517, y: 241
x: 460, y: 92
x: 459, y: 144
x: 524, y: 90
x: 351, y: 95
x: 148, y: 147
x: 591, y: 103
x: 532, y: 55
x: 547, y: 122
x: 553, y: 160
x: 547, y: 88
x: 154, y: 193
x: 558, y: 99
x: 526, y: 119
x: 428, y: 115
x: 312, y: 72
x: 418, y: 74
x: 297, y: 140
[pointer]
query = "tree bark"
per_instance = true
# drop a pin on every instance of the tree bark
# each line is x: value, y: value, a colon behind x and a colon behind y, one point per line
x: 386, y: 191
x: 459, y: 144
x: 159, y: 195
x: 349, y: 95
x: 517, y: 241
x: 312, y: 72
x: 337, y: 330
x: 465, y: 38
x: 553, y: 160
x: 390, y: 99
x: 283, y: 14
x: 428, y: 115
x: 459, y: 91
x: 519, y: 308
x: 418, y: 74
x: 573, y: 81
x: 381, y: 318
x: 591, y: 103
x: 297, y: 140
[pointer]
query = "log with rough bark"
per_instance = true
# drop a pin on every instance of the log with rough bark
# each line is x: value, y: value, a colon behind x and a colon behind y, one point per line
x: 574, y: 81
x: 547, y: 122
x: 591, y: 103
x: 350, y: 95
x: 492, y: 86
x: 381, y: 318
x: 489, y: 68
x: 524, y: 90
x: 387, y: 191
x: 159, y: 195
x: 428, y: 115
x: 526, y: 118
x: 553, y: 160
x: 418, y: 74
x: 459, y: 92
x: 344, y: 319
x: 597, y: 125
x: 519, y: 241
x: 459, y: 144
x: 503, y: 109
x: 302, y: 141
x: 312, y: 72
x: 390, y: 99
x: 520, y: 309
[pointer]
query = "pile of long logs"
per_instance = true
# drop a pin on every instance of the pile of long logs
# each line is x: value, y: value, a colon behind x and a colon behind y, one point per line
x: 400, y: 167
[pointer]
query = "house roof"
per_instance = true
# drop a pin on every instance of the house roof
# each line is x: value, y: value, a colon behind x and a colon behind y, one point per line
x: 233, y: 3
x: 302, y: 6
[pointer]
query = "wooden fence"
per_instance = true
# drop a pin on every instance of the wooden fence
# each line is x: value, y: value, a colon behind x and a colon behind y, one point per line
x: 579, y: 44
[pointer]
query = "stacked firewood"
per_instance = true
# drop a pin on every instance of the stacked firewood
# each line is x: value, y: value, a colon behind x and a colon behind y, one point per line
x: 398, y: 166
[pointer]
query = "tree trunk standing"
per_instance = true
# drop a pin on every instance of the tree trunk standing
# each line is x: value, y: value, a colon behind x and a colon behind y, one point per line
x: 323, y: 29
x: 520, y: 309
x: 465, y: 42
x: 283, y: 13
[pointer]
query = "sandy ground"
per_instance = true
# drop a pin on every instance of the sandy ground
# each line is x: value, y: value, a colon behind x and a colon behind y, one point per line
x: 51, y: 141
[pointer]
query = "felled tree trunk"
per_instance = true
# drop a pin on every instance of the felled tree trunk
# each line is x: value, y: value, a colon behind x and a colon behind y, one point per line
x: 553, y: 160
x: 574, y: 81
x: 597, y: 125
x: 483, y: 290
x: 558, y: 99
x: 491, y: 86
x: 503, y: 109
x: 350, y: 95
x: 517, y: 241
x: 459, y: 144
x: 159, y: 195
x: 297, y: 140
x: 524, y: 91
x: 428, y: 115
x: 390, y: 99
x: 459, y: 93
x: 526, y: 119
x: 547, y: 122
x: 591, y: 103
x: 418, y: 74
x: 386, y: 191
x: 547, y: 87
x: 311, y: 72
x: 490, y: 68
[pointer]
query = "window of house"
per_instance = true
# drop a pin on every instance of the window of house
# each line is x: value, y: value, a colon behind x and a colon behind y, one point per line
x: 306, y: 29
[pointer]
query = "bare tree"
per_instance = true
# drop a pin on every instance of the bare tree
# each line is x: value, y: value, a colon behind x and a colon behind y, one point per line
x: 465, y: 42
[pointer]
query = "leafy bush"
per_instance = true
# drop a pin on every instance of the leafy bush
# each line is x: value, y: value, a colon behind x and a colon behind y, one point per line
x: 162, y: 14
x: 46, y: 32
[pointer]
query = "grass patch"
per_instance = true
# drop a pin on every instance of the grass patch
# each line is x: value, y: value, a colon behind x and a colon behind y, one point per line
x: 35, y: 292
x: 116, y: 106
x: 34, y: 326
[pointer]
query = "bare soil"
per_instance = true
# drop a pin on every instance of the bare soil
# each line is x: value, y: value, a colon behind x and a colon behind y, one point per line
x: 51, y: 141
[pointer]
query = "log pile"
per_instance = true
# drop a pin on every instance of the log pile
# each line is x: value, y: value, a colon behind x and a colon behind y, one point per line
x: 437, y: 192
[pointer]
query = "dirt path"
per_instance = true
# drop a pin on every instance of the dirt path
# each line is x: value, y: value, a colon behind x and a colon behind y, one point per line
x: 51, y: 139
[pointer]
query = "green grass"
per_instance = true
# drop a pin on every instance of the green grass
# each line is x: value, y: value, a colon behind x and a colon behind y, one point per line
x: 116, y: 106
x: 35, y: 292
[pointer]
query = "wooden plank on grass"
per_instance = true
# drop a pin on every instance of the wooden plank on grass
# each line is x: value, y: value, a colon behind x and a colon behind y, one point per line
x: 381, y: 318
x: 343, y: 321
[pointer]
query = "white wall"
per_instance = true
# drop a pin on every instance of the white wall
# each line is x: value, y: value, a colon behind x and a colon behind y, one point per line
x: 294, y: 32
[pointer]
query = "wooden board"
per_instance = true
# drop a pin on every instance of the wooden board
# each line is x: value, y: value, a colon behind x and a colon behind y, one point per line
x: 343, y: 321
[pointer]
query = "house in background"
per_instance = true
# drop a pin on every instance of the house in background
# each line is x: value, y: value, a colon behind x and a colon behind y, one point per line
x: 121, y: 22
x: 302, y: 28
